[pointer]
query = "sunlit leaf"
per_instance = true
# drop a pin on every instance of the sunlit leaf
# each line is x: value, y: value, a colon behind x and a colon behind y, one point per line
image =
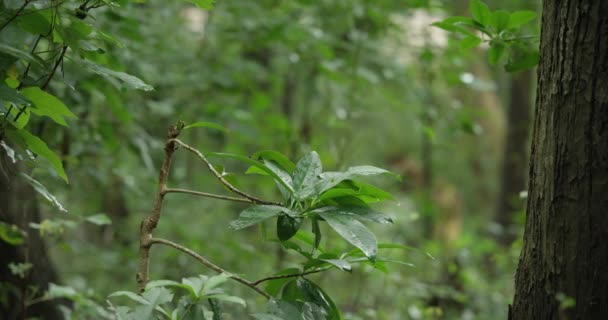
x: 306, y: 175
x: 45, y: 104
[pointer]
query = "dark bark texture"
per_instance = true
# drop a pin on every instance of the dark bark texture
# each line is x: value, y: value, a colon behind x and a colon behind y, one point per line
x: 514, y: 165
x: 565, y: 251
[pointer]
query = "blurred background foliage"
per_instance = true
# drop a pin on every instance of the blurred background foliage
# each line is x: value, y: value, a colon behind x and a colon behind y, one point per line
x: 359, y: 81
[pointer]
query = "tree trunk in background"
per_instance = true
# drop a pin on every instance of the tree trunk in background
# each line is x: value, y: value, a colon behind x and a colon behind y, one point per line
x: 515, y: 165
x: 565, y: 253
x: 18, y: 206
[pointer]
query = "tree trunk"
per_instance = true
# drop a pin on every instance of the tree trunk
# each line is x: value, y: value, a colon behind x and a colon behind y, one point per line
x: 18, y: 206
x: 514, y: 165
x: 563, y: 269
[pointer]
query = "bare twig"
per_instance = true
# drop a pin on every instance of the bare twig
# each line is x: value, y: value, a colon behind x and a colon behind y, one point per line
x: 220, y: 178
x: 149, y: 223
x: 210, y: 265
x: 209, y: 195
x: 290, y: 275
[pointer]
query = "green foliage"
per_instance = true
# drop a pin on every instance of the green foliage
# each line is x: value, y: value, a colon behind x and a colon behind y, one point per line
x: 502, y: 30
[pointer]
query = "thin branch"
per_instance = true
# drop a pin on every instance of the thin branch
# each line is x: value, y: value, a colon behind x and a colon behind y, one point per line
x: 210, y: 265
x: 57, y: 63
x: 209, y: 195
x: 25, y: 3
x: 290, y: 275
x: 220, y: 178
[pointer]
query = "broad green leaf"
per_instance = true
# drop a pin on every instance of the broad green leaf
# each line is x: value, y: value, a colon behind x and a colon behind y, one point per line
x: 496, y: 52
x: 43, y: 191
x: 480, y: 12
x: 277, y: 157
x: 99, y: 219
x: 228, y: 298
x: 131, y: 295
x: 248, y: 161
x: 522, y: 59
x: 203, y: 4
x: 453, y: 28
x: 194, y: 285
x: 352, y: 231
x: 11, y: 95
x: 254, y: 215
x: 339, y: 263
x: 500, y: 20
x: 45, y: 104
x: 373, y: 191
x: 37, y: 146
x: 306, y: 175
x: 329, y: 180
x: 359, y: 213
x: 470, y: 42
x: 155, y: 297
x: 35, y: 22
x: 286, y: 178
x: 287, y: 227
x: 11, y: 234
x: 20, y: 116
x: 337, y: 192
x: 520, y: 18
x: 314, y: 294
x: 205, y: 124
x: 21, y: 54
x: 129, y: 81
x: 57, y: 291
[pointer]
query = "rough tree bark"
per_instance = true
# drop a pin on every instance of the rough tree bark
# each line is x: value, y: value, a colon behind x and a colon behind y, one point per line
x: 565, y: 253
x: 514, y: 166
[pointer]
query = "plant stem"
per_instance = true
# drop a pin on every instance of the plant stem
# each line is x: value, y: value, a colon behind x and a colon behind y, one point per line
x: 283, y: 276
x: 210, y: 265
x: 25, y: 3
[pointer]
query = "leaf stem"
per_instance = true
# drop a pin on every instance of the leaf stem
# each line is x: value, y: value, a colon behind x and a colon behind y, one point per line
x: 25, y: 3
x: 290, y: 275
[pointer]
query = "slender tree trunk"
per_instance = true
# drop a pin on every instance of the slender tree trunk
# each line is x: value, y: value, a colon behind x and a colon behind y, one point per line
x: 18, y: 206
x: 563, y: 269
x: 514, y: 165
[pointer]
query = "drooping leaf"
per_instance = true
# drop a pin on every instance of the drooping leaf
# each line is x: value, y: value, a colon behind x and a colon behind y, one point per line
x: 254, y: 215
x: 129, y: 81
x: 37, y: 146
x: 45, y: 104
x: 306, y: 174
x: 353, y: 231
x: 43, y: 191
x: 287, y: 227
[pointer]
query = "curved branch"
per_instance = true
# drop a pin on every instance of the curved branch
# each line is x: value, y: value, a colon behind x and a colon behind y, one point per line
x: 209, y: 195
x: 210, y: 265
x: 219, y: 176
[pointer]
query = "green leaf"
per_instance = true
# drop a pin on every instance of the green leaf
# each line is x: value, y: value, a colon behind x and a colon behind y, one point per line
x: 500, y: 20
x: 285, y: 178
x: 214, y: 282
x: 359, y: 213
x: 331, y: 179
x: 37, y: 146
x: 20, y: 116
x: 277, y: 157
x: 228, y: 298
x: 254, y: 215
x: 522, y: 59
x: 13, y: 96
x: 131, y: 295
x: 35, y: 22
x: 480, y: 12
x: 470, y: 42
x: 274, y: 286
x: 203, y: 4
x: 129, y: 81
x: 204, y: 124
x: 306, y: 175
x: 453, y: 28
x: 249, y: 161
x: 353, y: 231
x: 316, y: 230
x: 496, y: 52
x: 45, y: 104
x: 42, y: 190
x: 11, y: 234
x: 21, y: 54
x: 520, y: 18
x: 99, y: 219
x: 287, y: 227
